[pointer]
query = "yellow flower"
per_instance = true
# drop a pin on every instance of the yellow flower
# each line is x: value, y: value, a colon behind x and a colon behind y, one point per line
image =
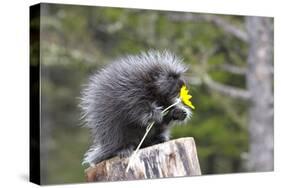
x: 185, y: 97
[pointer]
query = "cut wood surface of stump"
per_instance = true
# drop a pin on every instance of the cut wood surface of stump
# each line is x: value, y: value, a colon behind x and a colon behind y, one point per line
x: 175, y: 158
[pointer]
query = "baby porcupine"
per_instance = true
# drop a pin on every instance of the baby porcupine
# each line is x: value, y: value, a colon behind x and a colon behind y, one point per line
x: 123, y: 98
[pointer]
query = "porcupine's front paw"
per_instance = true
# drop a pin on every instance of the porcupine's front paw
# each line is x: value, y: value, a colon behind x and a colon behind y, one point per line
x: 178, y: 114
x: 156, y: 114
x: 152, y: 114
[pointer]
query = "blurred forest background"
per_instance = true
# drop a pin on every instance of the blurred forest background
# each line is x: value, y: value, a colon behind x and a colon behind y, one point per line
x: 230, y: 77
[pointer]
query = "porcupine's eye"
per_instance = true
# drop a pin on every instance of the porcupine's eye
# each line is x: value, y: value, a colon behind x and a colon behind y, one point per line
x: 168, y: 86
x: 175, y: 83
x: 177, y: 80
x: 173, y: 76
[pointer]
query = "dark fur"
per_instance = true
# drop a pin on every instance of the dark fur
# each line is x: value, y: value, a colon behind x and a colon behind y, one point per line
x: 122, y: 99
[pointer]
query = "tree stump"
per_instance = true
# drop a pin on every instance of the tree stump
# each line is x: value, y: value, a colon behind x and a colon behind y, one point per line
x: 174, y: 158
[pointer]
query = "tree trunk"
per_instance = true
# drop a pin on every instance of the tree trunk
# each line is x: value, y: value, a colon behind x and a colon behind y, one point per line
x: 170, y: 159
x: 259, y: 83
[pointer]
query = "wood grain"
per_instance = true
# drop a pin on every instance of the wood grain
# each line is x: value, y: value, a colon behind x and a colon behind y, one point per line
x: 174, y: 158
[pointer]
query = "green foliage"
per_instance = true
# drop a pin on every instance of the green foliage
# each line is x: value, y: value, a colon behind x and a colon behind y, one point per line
x: 78, y: 40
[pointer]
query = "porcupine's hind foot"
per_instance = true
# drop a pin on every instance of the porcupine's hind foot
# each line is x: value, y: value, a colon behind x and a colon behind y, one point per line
x: 125, y: 152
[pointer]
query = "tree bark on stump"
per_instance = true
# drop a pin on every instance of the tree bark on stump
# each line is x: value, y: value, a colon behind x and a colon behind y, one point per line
x: 175, y: 158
